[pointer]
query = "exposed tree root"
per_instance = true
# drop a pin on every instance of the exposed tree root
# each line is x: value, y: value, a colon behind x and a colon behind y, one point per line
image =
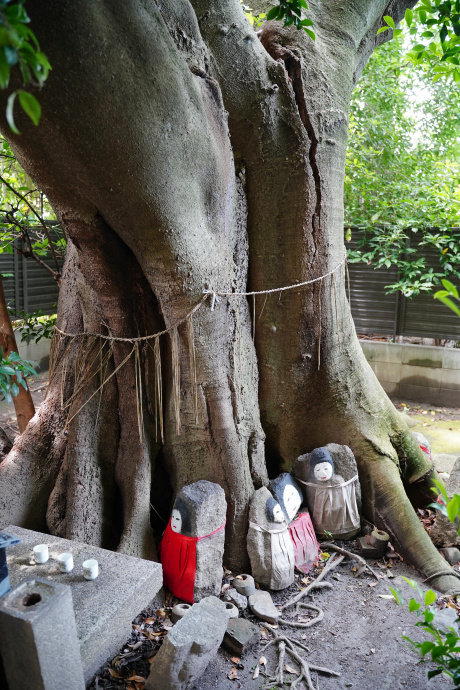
x: 333, y: 562
x: 286, y: 645
x: 360, y: 559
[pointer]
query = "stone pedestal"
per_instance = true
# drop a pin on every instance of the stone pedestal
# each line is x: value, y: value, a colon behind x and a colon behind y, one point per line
x: 38, y: 637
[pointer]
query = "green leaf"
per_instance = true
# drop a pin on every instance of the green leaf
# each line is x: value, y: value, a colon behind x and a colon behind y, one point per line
x: 409, y: 17
x: 4, y: 69
x: 430, y: 597
x: 452, y: 508
x: 436, y: 672
x: 414, y: 605
x: 426, y: 647
x: 438, y: 651
x: 450, y: 287
x: 9, y: 113
x: 4, y: 369
x: 390, y: 21
x: 448, y: 302
x: 273, y: 14
x: 30, y: 106
x: 310, y: 33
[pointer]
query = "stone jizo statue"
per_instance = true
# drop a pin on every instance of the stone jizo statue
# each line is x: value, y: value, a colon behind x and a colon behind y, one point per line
x: 270, y: 548
x: 332, y: 500
x: 193, y: 543
x: 290, y: 497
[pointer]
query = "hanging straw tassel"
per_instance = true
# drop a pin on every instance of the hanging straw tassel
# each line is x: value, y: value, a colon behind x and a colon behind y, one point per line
x: 158, y: 390
x: 138, y: 379
x: 176, y: 375
x: 192, y: 359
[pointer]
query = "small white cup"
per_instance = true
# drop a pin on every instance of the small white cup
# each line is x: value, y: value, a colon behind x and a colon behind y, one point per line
x: 41, y: 553
x: 65, y: 562
x: 90, y: 569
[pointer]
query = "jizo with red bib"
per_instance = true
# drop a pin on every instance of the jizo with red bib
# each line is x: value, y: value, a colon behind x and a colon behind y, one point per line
x: 192, y: 548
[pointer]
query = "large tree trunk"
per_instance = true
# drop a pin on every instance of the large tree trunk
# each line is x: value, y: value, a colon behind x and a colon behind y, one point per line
x: 161, y: 198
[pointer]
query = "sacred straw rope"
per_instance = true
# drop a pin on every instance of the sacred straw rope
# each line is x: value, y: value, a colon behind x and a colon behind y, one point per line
x: 81, y: 361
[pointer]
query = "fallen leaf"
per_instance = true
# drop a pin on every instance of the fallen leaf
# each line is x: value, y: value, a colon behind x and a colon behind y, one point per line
x: 168, y: 624
x: 137, y: 645
x: 256, y: 672
x: 233, y: 674
x: 114, y: 674
x: 153, y: 635
x: 273, y: 627
x: 264, y: 633
x: 291, y: 669
x: 149, y: 621
x: 235, y: 659
x: 263, y: 661
x: 386, y: 596
x: 372, y: 584
x: 138, y: 679
x: 305, y: 580
x: 151, y: 659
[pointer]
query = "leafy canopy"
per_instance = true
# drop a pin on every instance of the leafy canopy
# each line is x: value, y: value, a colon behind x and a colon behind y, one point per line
x: 402, y: 170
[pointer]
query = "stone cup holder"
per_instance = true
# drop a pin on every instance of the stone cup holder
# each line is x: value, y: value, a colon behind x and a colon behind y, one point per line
x: 244, y: 584
x: 179, y: 611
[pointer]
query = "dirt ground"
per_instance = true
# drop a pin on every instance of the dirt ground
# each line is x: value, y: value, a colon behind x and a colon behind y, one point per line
x: 359, y: 637
x: 361, y: 633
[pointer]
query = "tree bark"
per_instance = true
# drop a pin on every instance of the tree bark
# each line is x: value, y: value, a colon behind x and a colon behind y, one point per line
x: 168, y: 198
x: 23, y: 403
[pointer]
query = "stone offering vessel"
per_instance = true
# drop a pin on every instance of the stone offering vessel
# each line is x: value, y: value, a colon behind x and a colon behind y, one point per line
x: 193, y: 543
x: 329, y: 478
x: 270, y: 548
x: 290, y: 497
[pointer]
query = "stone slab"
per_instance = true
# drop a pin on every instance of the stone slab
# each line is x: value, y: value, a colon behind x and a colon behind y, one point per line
x: 189, y: 647
x: 105, y: 607
x: 241, y: 636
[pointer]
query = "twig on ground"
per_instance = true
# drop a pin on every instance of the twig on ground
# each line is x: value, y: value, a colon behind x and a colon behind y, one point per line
x: 286, y: 645
x: 360, y: 559
x: 316, y: 584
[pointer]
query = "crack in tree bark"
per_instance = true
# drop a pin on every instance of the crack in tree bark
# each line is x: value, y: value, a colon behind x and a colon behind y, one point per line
x: 294, y: 70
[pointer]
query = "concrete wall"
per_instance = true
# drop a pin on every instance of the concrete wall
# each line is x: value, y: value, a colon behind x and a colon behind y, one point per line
x: 416, y: 372
x: 37, y: 352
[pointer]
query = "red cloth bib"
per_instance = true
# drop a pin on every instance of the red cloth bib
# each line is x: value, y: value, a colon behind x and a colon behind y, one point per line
x: 306, y: 547
x: 178, y: 558
x: 427, y: 451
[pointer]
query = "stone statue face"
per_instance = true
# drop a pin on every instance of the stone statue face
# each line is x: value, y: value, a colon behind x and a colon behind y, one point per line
x: 291, y: 500
x: 176, y: 521
x: 278, y: 515
x: 322, y: 471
